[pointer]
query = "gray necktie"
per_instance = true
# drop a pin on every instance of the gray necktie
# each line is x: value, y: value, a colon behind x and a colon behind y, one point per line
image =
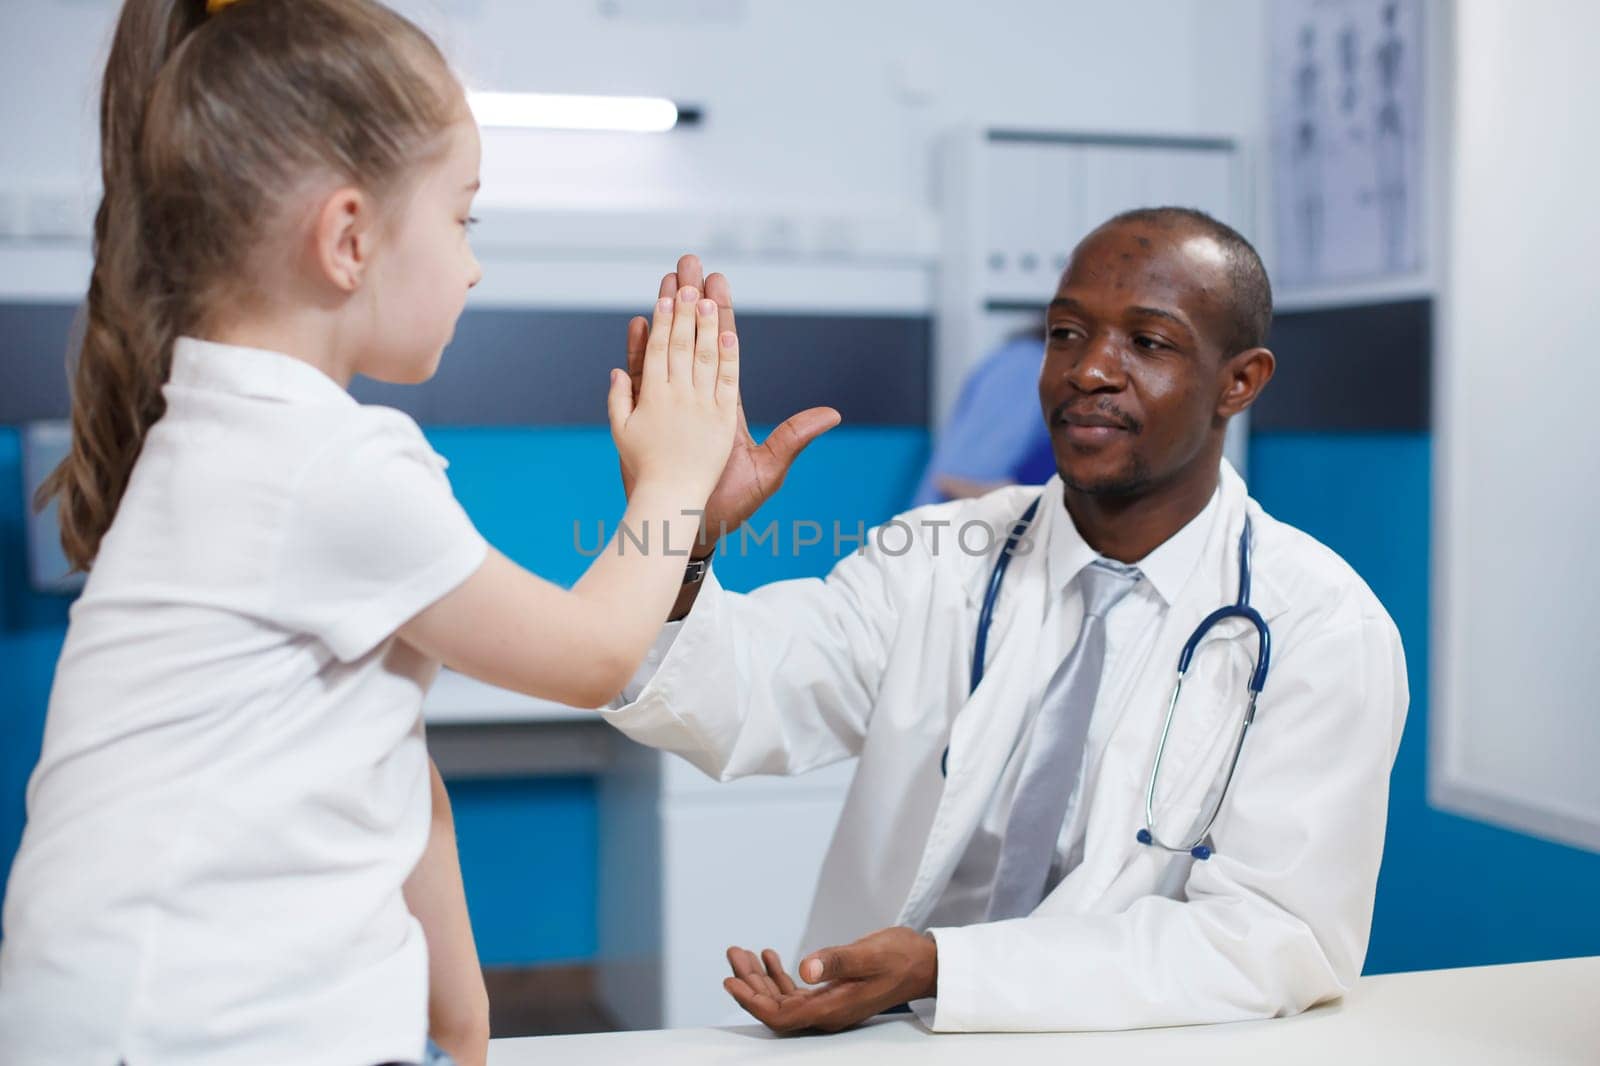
x: 1054, y: 758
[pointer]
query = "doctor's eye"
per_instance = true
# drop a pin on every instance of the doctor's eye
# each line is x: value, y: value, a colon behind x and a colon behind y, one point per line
x: 1064, y: 333
x: 1149, y: 343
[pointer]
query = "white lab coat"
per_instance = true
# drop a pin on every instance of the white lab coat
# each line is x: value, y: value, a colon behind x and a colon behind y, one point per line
x: 873, y: 662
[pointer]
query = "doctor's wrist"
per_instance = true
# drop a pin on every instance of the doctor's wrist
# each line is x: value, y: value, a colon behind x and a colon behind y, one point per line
x: 693, y: 578
x: 927, y: 973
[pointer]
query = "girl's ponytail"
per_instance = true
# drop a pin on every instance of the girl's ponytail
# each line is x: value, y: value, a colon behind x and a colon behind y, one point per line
x: 129, y: 327
x: 205, y: 122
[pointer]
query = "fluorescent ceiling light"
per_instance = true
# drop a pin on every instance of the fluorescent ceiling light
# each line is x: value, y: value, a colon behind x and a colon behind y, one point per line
x: 555, y: 111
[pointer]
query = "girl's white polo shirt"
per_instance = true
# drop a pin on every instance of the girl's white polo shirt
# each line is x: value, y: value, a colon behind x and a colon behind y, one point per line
x: 233, y: 784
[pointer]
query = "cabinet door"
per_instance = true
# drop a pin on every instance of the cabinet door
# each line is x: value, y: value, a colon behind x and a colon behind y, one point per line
x: 690, y: 866
x: 736, y: 870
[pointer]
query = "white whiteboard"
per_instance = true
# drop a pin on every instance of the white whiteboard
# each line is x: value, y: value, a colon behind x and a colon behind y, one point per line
x: 1516, y: 718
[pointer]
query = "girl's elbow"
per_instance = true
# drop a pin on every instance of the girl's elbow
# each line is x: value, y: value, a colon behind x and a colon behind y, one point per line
x: 462, y: 1029
x: 600, y: 684
x: 588, y: 691
x: 594, y: 697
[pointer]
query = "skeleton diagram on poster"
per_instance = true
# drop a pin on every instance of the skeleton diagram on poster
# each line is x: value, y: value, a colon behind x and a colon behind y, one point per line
x: 1346, y: 84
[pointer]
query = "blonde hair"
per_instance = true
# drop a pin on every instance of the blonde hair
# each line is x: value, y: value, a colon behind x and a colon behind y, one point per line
x: 205, y: 121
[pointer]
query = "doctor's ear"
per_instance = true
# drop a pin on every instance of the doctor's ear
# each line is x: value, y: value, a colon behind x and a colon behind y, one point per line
x: 343, y: 236
x: 1243, y: 375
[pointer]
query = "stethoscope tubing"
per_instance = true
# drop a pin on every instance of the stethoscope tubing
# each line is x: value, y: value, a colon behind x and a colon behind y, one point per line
x: 1199, y: 847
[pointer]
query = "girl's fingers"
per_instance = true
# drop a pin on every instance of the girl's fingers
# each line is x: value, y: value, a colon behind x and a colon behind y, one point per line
x: 680, y: 348
x: 619, y: 401
x: 705, y: 348
x: 638, y: 336
x: 667, y: 290
x: 655, y: 348
x: 727, y: 391
x: 720, y: 292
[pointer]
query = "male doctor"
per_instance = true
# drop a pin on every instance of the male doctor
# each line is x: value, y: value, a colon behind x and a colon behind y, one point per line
x: 987, y: 858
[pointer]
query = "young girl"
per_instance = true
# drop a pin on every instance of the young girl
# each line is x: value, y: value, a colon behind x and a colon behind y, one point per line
x: 234, y: 790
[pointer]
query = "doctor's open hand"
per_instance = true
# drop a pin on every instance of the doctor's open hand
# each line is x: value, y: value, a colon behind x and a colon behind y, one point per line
x: 753, y: 472
x: 848, y: 984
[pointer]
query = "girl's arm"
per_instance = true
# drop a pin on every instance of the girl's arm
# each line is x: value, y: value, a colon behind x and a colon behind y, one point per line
x: 510, y: 628
x: 458, y: 1003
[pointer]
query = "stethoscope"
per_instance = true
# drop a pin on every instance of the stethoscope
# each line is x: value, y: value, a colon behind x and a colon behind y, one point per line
x: 1200, y: 846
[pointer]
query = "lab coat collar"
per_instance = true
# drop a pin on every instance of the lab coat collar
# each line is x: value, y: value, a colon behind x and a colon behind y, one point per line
x: 1213, y: 577
x: 241, y: 371
x: 1167, y: 568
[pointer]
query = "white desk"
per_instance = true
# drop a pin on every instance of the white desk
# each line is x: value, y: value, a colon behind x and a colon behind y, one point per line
x: 479, y: 731
x: 1537, y: 1014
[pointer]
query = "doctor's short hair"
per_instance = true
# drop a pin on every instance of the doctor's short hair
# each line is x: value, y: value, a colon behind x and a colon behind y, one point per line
x: 1251, y: 311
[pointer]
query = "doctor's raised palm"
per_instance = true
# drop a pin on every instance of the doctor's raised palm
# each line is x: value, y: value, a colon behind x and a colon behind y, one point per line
x: 754, y: 471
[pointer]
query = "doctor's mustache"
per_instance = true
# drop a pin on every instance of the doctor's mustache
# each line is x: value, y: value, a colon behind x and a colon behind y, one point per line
x: 1101, y: 411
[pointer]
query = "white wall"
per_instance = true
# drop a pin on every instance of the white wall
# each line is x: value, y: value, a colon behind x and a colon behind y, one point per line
x: 821, y: 121
x: 820, y: 102
x: 808, y: 106
x: 1517, y: 718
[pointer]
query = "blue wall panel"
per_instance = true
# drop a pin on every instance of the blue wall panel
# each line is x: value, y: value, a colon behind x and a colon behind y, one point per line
x: 528, y: 857
x: 31, y: 630
x: 27, y: 661
x: 525, y: 488
x: 1453, y: 892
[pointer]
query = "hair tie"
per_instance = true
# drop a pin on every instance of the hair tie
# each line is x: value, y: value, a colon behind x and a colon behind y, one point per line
x: 213, y: 6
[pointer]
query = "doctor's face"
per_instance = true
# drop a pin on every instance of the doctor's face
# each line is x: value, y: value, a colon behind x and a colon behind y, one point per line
x: 1133, y: 374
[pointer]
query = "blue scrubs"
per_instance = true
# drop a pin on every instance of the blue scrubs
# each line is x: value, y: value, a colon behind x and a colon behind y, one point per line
x: 996, y: 431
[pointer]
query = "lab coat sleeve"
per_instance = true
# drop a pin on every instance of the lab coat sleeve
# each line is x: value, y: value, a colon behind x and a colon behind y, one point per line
x: 1274, y: 922
x: 647, y: 669
x: 780, y: 680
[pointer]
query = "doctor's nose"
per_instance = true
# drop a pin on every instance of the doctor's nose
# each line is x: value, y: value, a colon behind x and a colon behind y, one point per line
x: 1097, y: 368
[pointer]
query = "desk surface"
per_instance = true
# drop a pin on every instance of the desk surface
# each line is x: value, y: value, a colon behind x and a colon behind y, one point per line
x: 1535, y: 1014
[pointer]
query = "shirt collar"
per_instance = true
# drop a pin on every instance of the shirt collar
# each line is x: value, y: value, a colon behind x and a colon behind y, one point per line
x: 1167, y: 568
x: 232, y: 368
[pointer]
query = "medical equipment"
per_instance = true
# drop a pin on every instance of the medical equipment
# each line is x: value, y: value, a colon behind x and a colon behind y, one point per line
x: 1200, y: 846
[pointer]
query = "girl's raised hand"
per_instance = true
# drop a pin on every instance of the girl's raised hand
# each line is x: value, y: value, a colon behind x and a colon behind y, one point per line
x: 677, y: 434
x: 753, y: 471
